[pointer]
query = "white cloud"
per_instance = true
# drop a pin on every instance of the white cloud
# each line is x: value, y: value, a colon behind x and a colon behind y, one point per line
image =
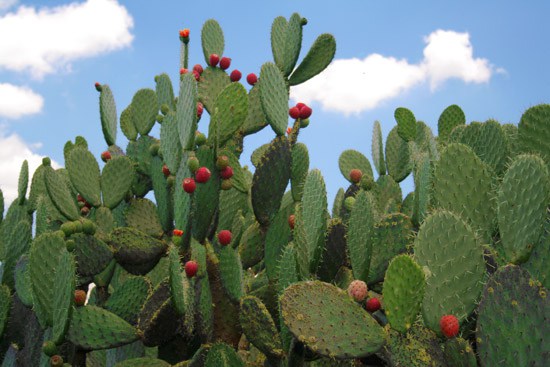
x: 45, y: 40
x: 355, y: 85
x: 18, y: 101
x: 6, y: 4
x: 13, y: 151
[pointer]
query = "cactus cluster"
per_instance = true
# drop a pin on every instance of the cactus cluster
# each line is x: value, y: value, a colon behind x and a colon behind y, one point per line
x: 226, y: 267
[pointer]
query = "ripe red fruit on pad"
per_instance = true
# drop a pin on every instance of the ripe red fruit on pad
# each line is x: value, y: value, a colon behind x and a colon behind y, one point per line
x: 97, y: 86
x: 202, y: 175
x: 224, y: 237
x: 198, y: 68
x: 105, y: 156
x: 183, y: 71
x: 189, y: 185
x: 197, y: 75
x: 191, y: 268
x: 79, y: 297
x: 226, y: 173
x: 291, y: 220
x: 373, y: 304
x: 449, y: 326
x: 355, y: 175
x: 358, y: 290
x: 225, y: 62
x: 200, y: 109
x: 294, y: 112
x: 56, y: 361
x: 177, y: 232
x: 214, y: 59
x: 305, y: 112
x: 235, y: 75
x: 184, y: 33
x: 251, y: 78
x: 165, y: 170
x: 300, y: 105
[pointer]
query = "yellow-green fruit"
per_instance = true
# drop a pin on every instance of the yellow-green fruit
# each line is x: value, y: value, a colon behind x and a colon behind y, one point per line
x: 226, y: 184
x: 349, y: 202
x: 49, y: 348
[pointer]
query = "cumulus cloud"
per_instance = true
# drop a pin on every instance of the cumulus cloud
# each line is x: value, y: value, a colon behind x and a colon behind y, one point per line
x: 6, y: 4
x: 45, y: 40
x: 13, y: 151
x: 18, y: 101
x: 355, y: 85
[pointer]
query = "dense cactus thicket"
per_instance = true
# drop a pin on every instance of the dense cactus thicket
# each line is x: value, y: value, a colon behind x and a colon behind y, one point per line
x: 197, y: 261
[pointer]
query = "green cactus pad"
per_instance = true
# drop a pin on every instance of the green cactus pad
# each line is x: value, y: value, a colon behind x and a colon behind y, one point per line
x: 278, y: 40
x: 163, y: 196
x: 142, y: 214
x: 23, y: 285
x: 404, y: 285
x: 63, y: 293
x: 299, y: 170
x: 317, y: 59
x: 450, y: 118
x: 182, y: 200
x: 84, y: 174
x: 334, y: 310
x: 512, y: 324
x: 462, y: 183
x: 94, y: 328
x: 449, y: 250
x: 60, y: 194
x: 391, y: 236
x: 259, y: 327
x: 397, y: 156
x: 144, y: 110
x: 359, y: 235
x: 239, y: 179
x: 423, y: 177
x: 458, y: 352
x: 222, y: 355
x: 176, y: 281
x: 293, y: 43
x: 352, y: 159
x: 252, y: 244
x: 271, y: 179
x: 231, y: 110
x: 16, y: 243
x: 522, y: 199
x: 231, y: 202
x: 133, y: 247
x: 538, y: 264
x: 231, y: 272
x: 512, y: 137
x: 45, y: 254
x: 107, y: 112
x: 334, y: 254
x: 92, y: 254
x: 406, y: 123
x: 378, y: 149
x: 186, y: 115
x: 5, y: 303
x: 165, y: 91
x: 534, y: 132
x: 288, y: 268
x: 129, y: 297
x: 116, y: 179
x: 311, y: 223
x: 127, y: 124
x: 274, y: 97
x: 212, y: 39
x: 170, y: 145
x: 213, y: 81
x: 79, y: 141
x: 419, y: 347
x: 23, y: 182
x: 206, y: 196
x: 139, y: 152
x: 143, y: 361
x: 277, y: 237
x: 255, y: 119
x: 338, y: 203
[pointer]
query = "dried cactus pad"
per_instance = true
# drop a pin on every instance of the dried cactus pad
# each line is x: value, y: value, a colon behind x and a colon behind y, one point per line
x: 329, y: 322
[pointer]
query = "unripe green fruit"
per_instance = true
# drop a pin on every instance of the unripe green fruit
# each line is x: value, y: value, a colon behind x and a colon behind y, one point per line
x: 154, y: 149
x: 193, y: 164
x: 176, y: 240
x: 349, y: 202
x: 226, y: 184
x: 200, y: 138
x: 70, y: 245
x: 68, y: 228
x: 367, y: 182
x: 170, y: 181
x: 77, y: 226
x: 222, y: 162
x: 49, y: 348
x: 88, y: 227
x: 164, y: 109
x: 304, y: 123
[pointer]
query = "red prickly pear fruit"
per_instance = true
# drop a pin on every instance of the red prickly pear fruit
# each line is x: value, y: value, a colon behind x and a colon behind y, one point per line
x: 177, y: 232
x: 202, y: 175
x: 224, y: 237
x: 225, y: 62
x: 355, y: 175
x: 193, y: 164
x: 226, y: 173
x: 189, y: 185
x: 183, y: 71
x: 184, y: 33
x: 98, y: 87
x: 84, y: 211
x: 191, y: 268
x: 165, y: 170
x: 305, y: 112
x: 221, y: 162
x: 79, y: 297
x: 294, y: 112
x: 227, y: 184
x: 235, y: 75
x: 197, y: 75
x: 373, y: 304
x: 80, y: 199
x: 299, y: 105
x: 56, y: 361
x: 200, y: 109
x: 214, y: 59
x: 49, y: 348
x: 358, y: 290
x: 251, y: 79
x: 105, y: 156
x: 291, y: 220
x: 198, y: 68
x: 449, y: 326
x: 288, y: 130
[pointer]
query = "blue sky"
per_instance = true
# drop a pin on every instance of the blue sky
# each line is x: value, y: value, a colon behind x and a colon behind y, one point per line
x: 490, y: 57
